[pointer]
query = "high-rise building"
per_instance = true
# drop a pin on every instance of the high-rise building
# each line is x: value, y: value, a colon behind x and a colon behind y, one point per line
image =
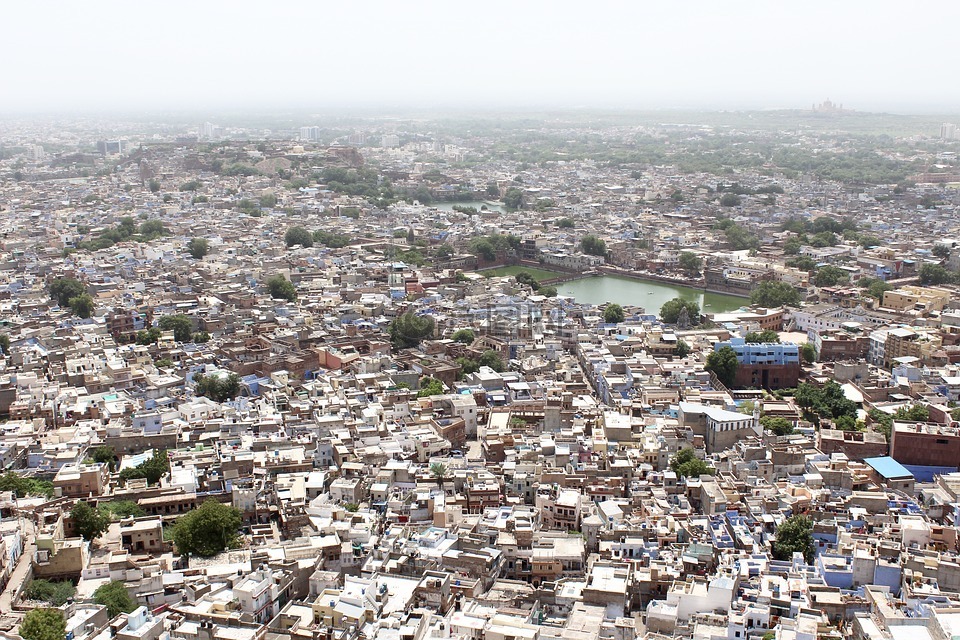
x: 948, y: 131
x: 309, y: 134
x: 390, y: 140
x: 111, y: 147
x: 210, y: 131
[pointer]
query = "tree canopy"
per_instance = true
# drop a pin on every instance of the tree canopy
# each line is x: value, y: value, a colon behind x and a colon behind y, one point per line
x: 830, y: 276
x: 43, y: 624
x: 724, y: 364
x: 115, y: 597
x: 180, y: 324
x: 613, y: 314
x: 218, y: 388
x: 592, y: 245
x: 198, y: 248
x: 152, y: 469
x: 513, y: 198
x: 672, y: 310
x: 464, y: 336
x: 298, y: 236
x: 281, y: 288
x: 828, y: 401
x: 82, y: 305
x: 55, y: 593
x: 778, y: 425
x: 409, y: 330
x: 64, y: 289
x: 208, y: 530
x: 687, y: 465
x: 90, y: 523
x: 766, y: 336
x: 430, y: 387
x: 690, y: 263
x: 772, y: 294
x: 795, y: 534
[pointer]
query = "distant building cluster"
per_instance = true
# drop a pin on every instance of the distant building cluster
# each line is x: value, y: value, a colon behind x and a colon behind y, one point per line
x: 325, y: 384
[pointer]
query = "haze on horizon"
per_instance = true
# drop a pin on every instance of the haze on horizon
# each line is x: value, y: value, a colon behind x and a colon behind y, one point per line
x: 112, y: 56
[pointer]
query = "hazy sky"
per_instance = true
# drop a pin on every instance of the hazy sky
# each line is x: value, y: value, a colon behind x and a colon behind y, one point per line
x: 202, y: 54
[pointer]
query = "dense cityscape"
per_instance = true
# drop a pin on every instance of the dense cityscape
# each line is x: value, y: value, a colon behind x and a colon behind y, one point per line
x: 579, y: 375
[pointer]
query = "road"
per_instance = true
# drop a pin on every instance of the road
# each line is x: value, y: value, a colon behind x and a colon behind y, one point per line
x: 20, y: 572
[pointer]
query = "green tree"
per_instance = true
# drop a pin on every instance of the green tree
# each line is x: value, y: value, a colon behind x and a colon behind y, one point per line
x: 148, y: 336
x: 913, y: 413
x: 778, y: 425
x: 936, y: 274
x: 207, y: 531
x: 690, y: 263
x: 430, y: 387
x: 152, y: 469
x: 152, y: 229
x: 884, y: 422
x: 687, y: 465
x: 180, y: 325
x: 23, y: 487
x: 803, y: 263
x: 55, y: 593
x: 671, y: 311
x: 43, y: 624
x: 830, y: 276
x: 772, y: 294
x: 464, y: 336
x: 198, y: 248
x: 439, y: 472
x: 524, y: 277
x: 795, y: 534
x: 808, y: 353
x: 767, y: 336
x: 268, y: 201
x: 63, y: 289
x: 298, y: 236
x: 191, y: 185
x: 115, y: 597
x: 723, y: 363
x: 123, y: 509
x: 730, y: 200
x: 5, y: 343
x: 491, y: 358
x: 592, y: 245
x: 154, y: 186
x: 218, y: 388
x: 613, y: 314
x: 82, y: 305
x: 105, y: 455
x: 281, y: 288
x: 548, y: 291
x: 828, y: 401
x: 566, y: 223
x: 875, y: 287
x: 409, y: 330
x: 513, y: 198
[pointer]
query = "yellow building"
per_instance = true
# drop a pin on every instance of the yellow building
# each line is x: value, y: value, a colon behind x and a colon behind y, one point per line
x: 910, y: 298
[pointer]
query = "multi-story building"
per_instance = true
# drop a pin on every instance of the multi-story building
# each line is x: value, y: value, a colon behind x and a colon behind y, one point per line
x: 765, y: 365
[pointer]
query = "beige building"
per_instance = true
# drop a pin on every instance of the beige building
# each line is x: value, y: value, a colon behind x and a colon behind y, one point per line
x: 911, y: 298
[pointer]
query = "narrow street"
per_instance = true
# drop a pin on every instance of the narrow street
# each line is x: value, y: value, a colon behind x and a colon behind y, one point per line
x: 19, y: 574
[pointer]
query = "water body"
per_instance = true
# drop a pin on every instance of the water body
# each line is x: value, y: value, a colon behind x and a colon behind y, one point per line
x: 448, y: 206
x: 649, y: 294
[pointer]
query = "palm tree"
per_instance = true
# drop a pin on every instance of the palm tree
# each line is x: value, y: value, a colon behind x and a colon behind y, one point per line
x: 439, y: 472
